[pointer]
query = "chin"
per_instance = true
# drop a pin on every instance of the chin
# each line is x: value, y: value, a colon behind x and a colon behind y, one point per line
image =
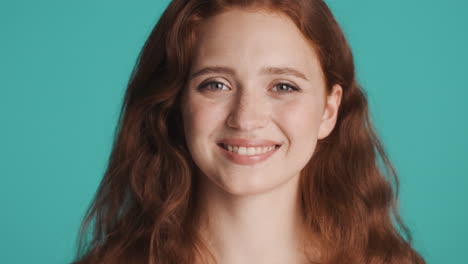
x: 251, y: 186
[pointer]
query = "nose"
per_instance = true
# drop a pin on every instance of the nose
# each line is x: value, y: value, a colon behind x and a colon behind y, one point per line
x: 248, y: 112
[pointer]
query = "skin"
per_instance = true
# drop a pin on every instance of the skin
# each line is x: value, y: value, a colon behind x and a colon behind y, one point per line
x: 251, y: 212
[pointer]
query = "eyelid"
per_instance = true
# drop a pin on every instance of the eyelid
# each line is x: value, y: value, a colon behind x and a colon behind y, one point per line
x: 207, y: 82
x: 294, y: 87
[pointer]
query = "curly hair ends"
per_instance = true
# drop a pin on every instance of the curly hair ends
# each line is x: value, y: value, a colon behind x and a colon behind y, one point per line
x: 145, y: 208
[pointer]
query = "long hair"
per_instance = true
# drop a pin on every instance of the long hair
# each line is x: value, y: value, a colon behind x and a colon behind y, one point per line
x: 145, y: 209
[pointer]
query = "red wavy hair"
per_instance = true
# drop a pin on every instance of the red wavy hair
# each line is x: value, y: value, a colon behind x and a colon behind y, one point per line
x: 145, y: 208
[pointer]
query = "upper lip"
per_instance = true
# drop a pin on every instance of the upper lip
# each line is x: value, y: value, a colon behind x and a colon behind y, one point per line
x: 248, y: 142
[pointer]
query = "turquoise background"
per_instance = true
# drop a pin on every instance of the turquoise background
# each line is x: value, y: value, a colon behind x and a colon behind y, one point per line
x: 63, y: 70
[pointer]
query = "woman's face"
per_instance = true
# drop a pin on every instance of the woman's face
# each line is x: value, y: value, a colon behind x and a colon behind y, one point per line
x: 255, y: 102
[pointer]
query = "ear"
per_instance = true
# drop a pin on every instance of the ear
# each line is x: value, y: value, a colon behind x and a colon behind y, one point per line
x: 330, y: 113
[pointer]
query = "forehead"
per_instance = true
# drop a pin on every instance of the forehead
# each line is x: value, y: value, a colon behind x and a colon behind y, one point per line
x: 250, y: 40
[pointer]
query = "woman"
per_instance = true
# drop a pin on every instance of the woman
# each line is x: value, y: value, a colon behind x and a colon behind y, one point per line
x: 245, y: 138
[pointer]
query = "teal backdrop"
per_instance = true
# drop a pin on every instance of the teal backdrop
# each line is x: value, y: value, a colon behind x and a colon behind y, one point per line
x: 64, y: 66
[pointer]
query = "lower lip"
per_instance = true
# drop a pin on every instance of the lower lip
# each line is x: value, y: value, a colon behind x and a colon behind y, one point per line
x: 247, y: 159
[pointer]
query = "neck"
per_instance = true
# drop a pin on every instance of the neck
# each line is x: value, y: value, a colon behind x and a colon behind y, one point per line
x: 256, y: 228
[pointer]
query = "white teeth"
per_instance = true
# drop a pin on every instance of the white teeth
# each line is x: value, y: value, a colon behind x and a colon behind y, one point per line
x: 248, y: 150
x: 242, y: 151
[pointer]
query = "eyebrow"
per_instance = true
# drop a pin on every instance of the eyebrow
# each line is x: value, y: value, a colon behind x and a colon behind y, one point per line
x: 265, y: 71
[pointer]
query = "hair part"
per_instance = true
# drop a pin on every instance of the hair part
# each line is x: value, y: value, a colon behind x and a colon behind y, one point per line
x: 145, y: 209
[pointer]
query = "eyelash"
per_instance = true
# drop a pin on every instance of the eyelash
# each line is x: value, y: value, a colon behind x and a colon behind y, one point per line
x: 291, y: 87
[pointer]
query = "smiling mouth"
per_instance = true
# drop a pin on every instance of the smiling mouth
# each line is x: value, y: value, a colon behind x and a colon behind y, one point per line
x: 249, y: 151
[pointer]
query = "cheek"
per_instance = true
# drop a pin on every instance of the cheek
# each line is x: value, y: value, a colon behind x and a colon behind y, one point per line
x: 200, y: 119
x: 300, y: 120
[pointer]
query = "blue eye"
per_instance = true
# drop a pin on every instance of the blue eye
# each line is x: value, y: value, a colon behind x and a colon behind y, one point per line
x: 213, y: 86
x: 285, y: 88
